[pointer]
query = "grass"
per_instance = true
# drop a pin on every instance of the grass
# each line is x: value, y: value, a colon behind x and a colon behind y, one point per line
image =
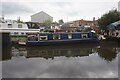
x: 18, y: 38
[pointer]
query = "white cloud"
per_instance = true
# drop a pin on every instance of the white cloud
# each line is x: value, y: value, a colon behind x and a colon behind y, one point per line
x: 61, y: 0
x: 14, y: 8
x: 67, y: 10
x: 61, y: 67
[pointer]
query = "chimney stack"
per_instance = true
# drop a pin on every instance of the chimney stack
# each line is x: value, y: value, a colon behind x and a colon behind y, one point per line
x: 93, y: 18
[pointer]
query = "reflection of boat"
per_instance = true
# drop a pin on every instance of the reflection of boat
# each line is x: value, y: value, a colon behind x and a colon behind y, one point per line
x: 107, y: 54
x: 18, y: 52
x: 70, y: 50
x: 51, y: 53
x: 59, y: 37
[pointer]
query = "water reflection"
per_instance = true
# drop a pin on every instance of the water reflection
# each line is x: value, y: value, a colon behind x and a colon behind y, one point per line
x: 6, y: 53
x: 51, y: 52
x: 108, y: 54
x: 66, y: 61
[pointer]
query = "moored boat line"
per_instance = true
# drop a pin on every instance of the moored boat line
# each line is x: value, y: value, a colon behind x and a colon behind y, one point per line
x: 59, y: 38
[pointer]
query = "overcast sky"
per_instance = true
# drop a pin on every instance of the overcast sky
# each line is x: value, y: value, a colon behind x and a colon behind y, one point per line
x: 68, y: 10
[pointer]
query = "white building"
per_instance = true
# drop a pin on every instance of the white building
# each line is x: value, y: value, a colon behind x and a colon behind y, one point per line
x: 41, y: 17
x: 15, y: 28
x: 119, y: 5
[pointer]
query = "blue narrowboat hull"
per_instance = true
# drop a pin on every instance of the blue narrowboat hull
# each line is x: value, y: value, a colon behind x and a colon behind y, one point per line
x: 54, y: 42
x: 60, y: 38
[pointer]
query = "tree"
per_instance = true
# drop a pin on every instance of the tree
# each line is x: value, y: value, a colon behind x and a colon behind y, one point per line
x: 47, y: 22
x: 19, y: 20
x: 60, y: 22
x: 108, y: 18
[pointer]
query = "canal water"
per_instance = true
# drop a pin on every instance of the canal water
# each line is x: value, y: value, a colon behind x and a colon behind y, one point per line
x: 61, y: 61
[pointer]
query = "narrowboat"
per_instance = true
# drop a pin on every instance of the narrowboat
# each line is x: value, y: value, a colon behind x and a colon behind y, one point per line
x: 59, y: 38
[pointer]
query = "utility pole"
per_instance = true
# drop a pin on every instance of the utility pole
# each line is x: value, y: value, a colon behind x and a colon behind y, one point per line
x: 67, y: 18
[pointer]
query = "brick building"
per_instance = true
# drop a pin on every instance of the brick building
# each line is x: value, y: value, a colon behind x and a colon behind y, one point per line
x: 92, y: 24
x: 85, y: 23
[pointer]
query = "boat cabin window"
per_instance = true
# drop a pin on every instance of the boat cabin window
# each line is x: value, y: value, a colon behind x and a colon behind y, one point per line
x: 43, y: 37
x: 22, y: 33
x: 43, y: 52
x: 9, y: 25
x: 19, y: 25
x: 69, y: 36
x: 15, y: 33
x: 84, y: 35
x: 56, y: 36
x: 32, y: 38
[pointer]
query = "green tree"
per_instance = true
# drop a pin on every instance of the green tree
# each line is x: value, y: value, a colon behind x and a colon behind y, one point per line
x: 108, y: 18
x: 60, y: 21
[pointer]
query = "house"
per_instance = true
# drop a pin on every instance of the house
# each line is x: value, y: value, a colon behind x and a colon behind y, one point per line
x: 40, y: 17
x: 85, y: 23
x: 91, y: 23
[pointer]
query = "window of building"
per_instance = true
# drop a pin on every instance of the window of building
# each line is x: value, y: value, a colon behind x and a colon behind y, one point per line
x: 43, y: 37
x: 56, y: 36
x: 69, y: 36
x: 19, y: 25
x: 84, y: 35
x: 9, y: 25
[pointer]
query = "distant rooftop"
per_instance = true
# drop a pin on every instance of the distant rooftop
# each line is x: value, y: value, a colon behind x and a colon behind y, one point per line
x: 41, y: 12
